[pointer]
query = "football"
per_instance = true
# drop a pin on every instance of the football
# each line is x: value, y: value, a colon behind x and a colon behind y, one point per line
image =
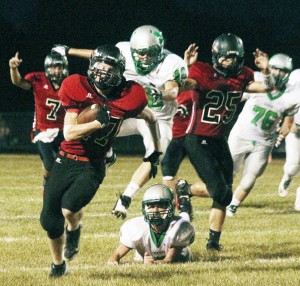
x: 88, y: 114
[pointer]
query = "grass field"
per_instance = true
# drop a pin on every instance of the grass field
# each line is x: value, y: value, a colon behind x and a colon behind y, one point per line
x: 261, y: 244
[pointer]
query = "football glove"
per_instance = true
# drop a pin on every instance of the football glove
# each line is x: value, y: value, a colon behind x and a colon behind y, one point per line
x: 103, y: 115
x: 154, y: 161
x: 121, y: 206
x: 61, y: 49
x: 182, y: 111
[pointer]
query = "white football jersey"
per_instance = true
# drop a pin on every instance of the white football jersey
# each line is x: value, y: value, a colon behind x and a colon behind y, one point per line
x: 171, y: 68
x: 262, y: 113
x: 294, y: 81
x: 136, y: 234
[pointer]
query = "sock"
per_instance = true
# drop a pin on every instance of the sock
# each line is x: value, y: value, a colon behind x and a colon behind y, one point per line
x: 131, y: 190
x: 235, y: 201
x: 214, y: 235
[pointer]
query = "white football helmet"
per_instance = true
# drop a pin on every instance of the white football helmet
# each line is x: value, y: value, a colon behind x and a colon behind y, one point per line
x: 162, y: 196
x: 284, y: 63
x: 147, y: 48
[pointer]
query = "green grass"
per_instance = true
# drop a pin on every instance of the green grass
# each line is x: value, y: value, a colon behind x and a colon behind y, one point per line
x: 261, y: 244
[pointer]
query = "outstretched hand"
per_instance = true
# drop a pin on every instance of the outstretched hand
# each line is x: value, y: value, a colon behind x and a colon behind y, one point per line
x: 191, y: 54
x: 261, y: 60
x: 15, y: 61
x: 153, y: 159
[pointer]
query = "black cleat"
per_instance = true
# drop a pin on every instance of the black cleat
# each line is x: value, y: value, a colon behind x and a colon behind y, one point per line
x: 58, y: 270
x: 109, y: 161
x: 183, y: 193
x: 72, y: 243
x: 213, y: 245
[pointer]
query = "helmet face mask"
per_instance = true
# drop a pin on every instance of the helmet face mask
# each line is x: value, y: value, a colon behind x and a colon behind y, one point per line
x: 56, y: 68
x: 147, y: 48
x: 228, y: 46
x: 106, y: 68
x: 281, y: 67
x: 158, y: 205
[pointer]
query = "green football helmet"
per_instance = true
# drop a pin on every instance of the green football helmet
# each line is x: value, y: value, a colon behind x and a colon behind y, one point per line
x: 161, y: 196
x: 147, y: 48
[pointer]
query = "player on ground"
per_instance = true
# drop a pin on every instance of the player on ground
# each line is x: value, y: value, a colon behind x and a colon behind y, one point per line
x: 253, y: 136
x: 292, y: 148
x: 219, y: 91
x: 161, y: 73
x: 80, y: 166
x: 49, y: 114
x: 158, y: 236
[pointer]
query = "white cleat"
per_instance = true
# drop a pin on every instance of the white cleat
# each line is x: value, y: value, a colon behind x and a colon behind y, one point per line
x: 283, y: 188
x: 297, y: 201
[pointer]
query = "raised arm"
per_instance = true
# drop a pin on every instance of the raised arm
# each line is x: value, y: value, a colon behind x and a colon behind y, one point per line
x: 15, y: 76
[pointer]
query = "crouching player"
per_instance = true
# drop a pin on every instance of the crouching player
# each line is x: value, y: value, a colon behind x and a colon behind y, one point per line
x: 158, y: 236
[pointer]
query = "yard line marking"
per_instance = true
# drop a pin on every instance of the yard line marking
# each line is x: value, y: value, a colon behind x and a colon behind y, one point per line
x: 129, y: 265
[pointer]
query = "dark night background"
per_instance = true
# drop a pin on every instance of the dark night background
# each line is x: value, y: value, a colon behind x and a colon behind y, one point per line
x: 32, y: 27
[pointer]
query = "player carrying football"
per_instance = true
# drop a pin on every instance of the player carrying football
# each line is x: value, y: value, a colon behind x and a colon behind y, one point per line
x: 80, y: 166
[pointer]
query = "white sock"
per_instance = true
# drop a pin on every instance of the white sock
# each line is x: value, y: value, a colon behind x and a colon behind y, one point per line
x: 185, y: 216
x: 235, y: 201
x: 131, y: 190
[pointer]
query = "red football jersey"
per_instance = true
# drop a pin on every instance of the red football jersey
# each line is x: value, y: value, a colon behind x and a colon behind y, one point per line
x: 48, y: 109
x: 214, y: 108
x: 181, y: 123
x: 76, y: 93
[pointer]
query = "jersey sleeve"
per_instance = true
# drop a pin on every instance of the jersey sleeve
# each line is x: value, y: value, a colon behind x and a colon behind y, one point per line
x: 67, y: 94
x: 130, y: 233
x: 135, y: 100
x: 178, y: 68
x: 184, y: 235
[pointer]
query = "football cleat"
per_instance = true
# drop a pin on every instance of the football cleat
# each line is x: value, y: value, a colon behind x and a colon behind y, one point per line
x: 213, y: 245
x: 109, y: 161
x: 58, y: 270
x: 184, y: 194
x: 231, y: 210
x: 297, y: 201
x: 121, y: 206
x: 72, y: 243
x: 283, y: 188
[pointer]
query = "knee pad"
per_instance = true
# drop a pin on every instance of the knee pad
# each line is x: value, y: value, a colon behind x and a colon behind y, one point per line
x: 53, y: 226
x: 291, y: 169
x: 247, y: 182
x: 222, y: 198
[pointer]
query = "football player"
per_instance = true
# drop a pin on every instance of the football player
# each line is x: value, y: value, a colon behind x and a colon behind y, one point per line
x: 80, y: 166
x: 254, y: 134
x: 292, y: 148
x: 219, y: 88
x: 161, y: 73
x: 158, y: 236
x: 49, y: 115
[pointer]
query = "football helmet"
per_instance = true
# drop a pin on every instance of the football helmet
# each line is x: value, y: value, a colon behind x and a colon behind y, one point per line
x: 54, y: 60
x: 228, y: 46
x: 112, y: 56
x: 147, y: 48
x: 284, y: 63
x: 162, y: 196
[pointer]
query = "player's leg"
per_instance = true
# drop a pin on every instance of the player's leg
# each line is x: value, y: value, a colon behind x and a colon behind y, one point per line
x: 52, y: 219
x: 292, y: 164
x: 255, y: 165
x: 142, y: 175
x: 86, y: 181
x: 170, y: 164
x: 239, y: 149
x: 205, y: 154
